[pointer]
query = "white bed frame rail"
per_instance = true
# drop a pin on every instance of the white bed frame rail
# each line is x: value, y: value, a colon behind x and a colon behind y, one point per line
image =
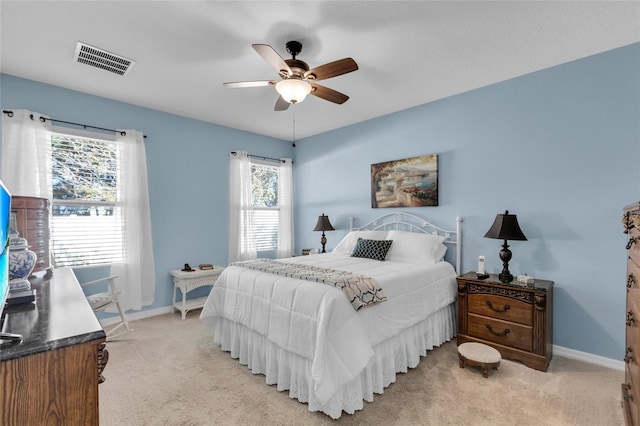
x: 411, y: 223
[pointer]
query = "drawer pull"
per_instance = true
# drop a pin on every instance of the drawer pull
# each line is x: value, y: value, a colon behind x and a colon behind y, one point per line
x: 495, y: 333
x: 630, y: 318
x: 631, y: 280
x: 500, y: 311
x: 631, y: 242
x: 627, y: 396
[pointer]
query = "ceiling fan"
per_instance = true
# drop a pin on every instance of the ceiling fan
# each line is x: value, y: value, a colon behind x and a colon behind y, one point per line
x: 297, y: 79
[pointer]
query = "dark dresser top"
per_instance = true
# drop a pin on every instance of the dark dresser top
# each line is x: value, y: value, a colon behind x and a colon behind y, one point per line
x: 60, y: 316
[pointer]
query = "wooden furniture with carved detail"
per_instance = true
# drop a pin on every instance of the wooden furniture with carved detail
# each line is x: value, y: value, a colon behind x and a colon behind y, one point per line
x: 32, y: 222
x: 516, y: 319
x: 52, y: 377
x: 631, y: 385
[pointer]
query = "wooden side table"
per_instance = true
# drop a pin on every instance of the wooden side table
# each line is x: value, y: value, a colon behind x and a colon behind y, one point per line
x: 188, y: 281
x: 515, y: 319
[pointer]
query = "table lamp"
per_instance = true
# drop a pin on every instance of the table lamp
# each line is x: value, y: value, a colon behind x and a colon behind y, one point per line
x: 323, y: 225
x: 505, y: 227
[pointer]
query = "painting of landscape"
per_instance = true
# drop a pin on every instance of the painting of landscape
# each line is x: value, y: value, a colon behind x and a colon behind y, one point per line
x: 411, y: 182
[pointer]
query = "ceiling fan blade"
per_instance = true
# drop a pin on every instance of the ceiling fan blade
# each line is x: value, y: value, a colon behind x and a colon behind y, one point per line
x: 328, y: 94
x: 236, y: 84
x: 281, y: 104
x: 271, y: 56
x: 332, y: 69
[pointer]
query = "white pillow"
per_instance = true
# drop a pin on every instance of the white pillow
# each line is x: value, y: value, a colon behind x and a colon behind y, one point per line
x: 349, y: 241
x: 416, y: 247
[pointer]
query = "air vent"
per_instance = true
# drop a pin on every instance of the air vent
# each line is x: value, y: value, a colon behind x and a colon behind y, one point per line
x: 102, y: 59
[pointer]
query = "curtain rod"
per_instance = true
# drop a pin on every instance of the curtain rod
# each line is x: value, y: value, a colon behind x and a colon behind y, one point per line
x: 54, y: 120
x: 278, y: 160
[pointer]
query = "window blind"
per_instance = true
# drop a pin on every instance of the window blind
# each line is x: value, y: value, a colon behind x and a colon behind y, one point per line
x: 86, y: 224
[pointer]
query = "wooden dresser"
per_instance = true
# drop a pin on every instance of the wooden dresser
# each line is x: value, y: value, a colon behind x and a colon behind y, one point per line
x: 515, y: 319
x: 52, y: 377
x: 631, y: 385
x: 32, y: 222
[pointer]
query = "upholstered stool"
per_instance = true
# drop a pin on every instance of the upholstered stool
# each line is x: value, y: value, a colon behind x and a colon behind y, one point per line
x: 479, y: 355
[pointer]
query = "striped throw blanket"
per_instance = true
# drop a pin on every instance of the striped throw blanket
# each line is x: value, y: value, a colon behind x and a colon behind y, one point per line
x: 360, y: 290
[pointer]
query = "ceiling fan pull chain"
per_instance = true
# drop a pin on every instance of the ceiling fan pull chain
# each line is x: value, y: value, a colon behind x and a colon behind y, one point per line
x: 294, y: 126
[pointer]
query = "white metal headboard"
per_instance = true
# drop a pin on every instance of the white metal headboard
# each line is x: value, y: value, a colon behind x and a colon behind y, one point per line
x: 411, y: 223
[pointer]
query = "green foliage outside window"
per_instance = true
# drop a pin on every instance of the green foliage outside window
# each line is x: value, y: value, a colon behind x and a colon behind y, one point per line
x: 264, y: 183
x: 83, y: 170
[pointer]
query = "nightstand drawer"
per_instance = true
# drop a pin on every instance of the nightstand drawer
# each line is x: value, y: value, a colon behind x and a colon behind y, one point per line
x: 500, y: 307
x: 502, y: 332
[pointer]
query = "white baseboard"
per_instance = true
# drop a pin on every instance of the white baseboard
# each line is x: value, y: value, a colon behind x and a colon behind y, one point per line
x: 557, y: 350
x: 133, y: 316
x: 587, y: 357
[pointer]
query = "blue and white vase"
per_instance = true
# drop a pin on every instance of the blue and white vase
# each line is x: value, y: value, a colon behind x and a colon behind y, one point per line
x: 21, y: 259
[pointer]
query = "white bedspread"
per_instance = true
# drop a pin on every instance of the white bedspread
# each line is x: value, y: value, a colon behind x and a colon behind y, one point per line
x: 317, y: 322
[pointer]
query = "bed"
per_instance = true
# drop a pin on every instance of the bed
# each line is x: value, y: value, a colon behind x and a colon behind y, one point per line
x: 333, y: 345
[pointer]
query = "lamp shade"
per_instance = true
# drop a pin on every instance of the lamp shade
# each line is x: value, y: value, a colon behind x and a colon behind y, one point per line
x: 293, y: 90
x: 323, y: 224
x: 506, y: 227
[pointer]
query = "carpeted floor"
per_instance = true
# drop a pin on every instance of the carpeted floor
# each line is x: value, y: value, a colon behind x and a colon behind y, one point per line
x: 168, y: 372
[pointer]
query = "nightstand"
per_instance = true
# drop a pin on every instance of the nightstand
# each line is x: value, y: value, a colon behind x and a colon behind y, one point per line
x: 188, y: 281
x: 516, y: 319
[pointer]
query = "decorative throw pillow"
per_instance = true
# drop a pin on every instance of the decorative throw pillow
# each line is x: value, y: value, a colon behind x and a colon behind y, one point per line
x: 371, y: 249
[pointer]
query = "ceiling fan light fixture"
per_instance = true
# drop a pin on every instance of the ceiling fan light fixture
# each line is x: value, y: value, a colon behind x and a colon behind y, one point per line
x: 293, y: 90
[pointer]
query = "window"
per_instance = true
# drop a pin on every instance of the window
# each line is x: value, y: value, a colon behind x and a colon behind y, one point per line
x: 102, y: 196
x: 86, y: 221
x: 260, y: 208
x: 264, y: 196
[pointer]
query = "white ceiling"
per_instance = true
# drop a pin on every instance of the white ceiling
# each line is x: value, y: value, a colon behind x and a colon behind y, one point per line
x: 409, y: 53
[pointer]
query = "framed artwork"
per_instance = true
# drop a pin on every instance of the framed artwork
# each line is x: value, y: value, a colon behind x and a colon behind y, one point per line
x: 411, y: 182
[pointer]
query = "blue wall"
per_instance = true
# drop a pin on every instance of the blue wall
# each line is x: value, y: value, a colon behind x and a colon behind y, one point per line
x: 187, y: 165
x: 559, y: 148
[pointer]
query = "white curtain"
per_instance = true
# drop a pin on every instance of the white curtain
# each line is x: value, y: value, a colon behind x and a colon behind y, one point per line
x: 241, y: 235
x: 285, y: 217
x: 26, y: 170
x: 137, y: 273
x: 26, y: 154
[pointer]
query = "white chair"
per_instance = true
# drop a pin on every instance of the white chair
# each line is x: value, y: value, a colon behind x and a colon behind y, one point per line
x: 101, y: 301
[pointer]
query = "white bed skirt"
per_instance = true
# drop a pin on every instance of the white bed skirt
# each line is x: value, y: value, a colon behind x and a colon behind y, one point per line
x: 293, y: 373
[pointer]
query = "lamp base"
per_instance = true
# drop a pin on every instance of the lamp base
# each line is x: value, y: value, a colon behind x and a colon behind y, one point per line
x: 505, y: 277
x: 505, y: 255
